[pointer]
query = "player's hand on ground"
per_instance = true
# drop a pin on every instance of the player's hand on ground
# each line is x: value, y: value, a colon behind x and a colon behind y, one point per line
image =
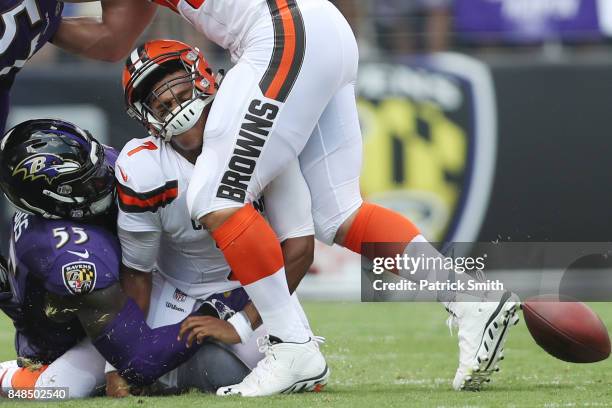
x: 197, y: 328
x: 116, y: 386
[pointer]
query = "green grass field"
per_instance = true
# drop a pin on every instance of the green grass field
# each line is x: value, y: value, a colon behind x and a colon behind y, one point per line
x: 402, y: 355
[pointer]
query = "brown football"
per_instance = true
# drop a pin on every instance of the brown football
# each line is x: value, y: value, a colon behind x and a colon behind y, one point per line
x: 568, y: 330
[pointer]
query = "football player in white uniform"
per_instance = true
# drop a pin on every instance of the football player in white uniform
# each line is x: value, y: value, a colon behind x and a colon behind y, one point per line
x: 291, y: 94
x: 154, y: 226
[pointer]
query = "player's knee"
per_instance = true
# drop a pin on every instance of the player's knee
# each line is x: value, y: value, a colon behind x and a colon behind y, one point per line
x: 213, y: 366
x: 344, y: 228
x: 335, y: 229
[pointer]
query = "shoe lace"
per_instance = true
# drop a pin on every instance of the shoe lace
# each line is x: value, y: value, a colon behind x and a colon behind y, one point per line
x: 264, y: 366
x: 264, y: 344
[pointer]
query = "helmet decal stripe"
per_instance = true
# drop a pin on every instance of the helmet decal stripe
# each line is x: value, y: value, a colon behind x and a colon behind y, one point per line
x: 135, y: 60
x: 142, y: 54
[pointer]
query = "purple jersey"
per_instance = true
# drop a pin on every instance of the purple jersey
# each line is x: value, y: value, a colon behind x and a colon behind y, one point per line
x: 50, y: 258
x: 27, y: 26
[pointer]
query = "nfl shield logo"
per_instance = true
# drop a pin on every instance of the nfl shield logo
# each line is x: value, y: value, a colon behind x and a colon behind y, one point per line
x: 179, y: 296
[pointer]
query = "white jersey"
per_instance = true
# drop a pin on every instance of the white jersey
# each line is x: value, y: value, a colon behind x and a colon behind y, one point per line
x: 227, y: 22
x: 152, y: 187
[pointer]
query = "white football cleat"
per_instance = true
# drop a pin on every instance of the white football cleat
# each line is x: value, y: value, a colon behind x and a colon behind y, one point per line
x: 483, y: 328
x: 286, y: 368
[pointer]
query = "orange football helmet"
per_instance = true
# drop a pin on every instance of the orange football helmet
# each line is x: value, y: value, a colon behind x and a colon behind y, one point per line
x: 143, y: 84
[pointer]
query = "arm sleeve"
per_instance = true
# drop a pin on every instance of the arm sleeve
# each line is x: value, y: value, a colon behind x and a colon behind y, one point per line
x: 141, y: 354
x: 288, y: 204
x: 139, y: 250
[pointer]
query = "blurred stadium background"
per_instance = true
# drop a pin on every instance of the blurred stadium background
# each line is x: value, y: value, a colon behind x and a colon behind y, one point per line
x: 483, y: 120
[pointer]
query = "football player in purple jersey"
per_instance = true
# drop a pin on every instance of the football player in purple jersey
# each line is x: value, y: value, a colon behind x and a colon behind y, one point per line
x: 61, y: 285
x: 29, y: 24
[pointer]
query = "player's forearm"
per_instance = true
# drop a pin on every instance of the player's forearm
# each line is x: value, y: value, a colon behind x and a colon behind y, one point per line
x: 253, y: 315
x: 118, y: 330
x: 141, y: 354
x: 88, y: 37
x: 137, y: 285
x: 109, y: 37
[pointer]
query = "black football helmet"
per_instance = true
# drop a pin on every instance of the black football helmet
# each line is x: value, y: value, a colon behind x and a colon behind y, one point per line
x: 56, y: 169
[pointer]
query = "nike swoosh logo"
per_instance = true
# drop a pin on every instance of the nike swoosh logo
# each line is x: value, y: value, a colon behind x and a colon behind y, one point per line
x: 81, y: 254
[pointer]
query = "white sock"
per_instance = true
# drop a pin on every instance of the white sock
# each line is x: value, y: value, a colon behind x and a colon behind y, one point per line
x: 419, y: 247
x: 278, y: 313
x: 300, y: 311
